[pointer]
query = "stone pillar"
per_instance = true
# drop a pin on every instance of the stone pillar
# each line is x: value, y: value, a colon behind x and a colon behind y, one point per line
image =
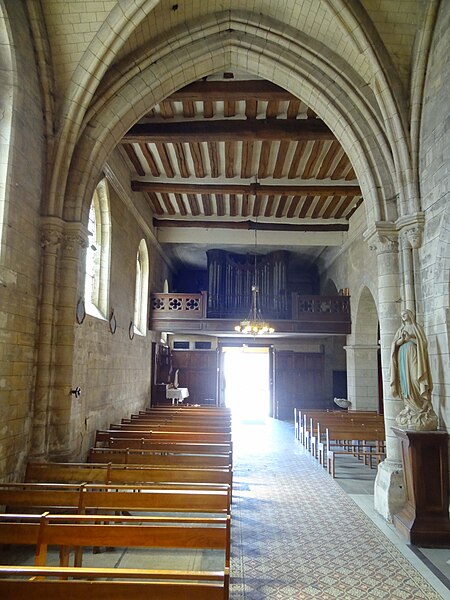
x: 362, y: 376
x: 52, y: 231
x: 389, y: 495
x: 63, y: 432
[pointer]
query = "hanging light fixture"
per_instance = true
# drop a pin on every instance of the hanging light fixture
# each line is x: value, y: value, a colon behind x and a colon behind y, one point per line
x: 254, y: 324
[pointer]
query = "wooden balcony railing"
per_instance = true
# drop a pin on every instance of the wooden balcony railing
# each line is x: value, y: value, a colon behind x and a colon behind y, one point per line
x: 316, y: 313
x: 179, y: 306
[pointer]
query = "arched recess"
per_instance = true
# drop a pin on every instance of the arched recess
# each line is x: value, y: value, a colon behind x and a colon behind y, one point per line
x: 363, y: 370
x: 7, y: 103
x: 320, y: 82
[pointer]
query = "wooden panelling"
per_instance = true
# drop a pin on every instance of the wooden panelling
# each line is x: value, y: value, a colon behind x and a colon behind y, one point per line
x: 197, y: 372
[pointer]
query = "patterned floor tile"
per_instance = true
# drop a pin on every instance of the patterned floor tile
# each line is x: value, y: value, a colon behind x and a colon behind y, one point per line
x: 297, y: 535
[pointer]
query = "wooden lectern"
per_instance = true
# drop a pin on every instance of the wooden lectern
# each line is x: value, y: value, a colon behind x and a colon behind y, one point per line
x: 424, y: 519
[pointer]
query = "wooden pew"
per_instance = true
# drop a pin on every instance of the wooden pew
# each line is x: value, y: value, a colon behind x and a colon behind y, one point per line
x: 150, y: 457
x: 104, y: 436
x: 366, y: 441
x: 113, y: 584
x: 101, y: 497
x: 137, y: 425
x: 133, y: 474
x: 78, y: 532
x: 318, y: 424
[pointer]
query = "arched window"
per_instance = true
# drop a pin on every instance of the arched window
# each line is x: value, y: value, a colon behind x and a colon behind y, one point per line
x: 141, y: 289
x: 96, y: 288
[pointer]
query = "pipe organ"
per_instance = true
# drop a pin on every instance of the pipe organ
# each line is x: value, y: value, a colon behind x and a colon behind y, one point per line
x: 230, y: 280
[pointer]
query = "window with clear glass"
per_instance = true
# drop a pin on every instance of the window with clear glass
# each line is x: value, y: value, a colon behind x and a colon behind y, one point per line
x: 96, y: 286
x: 141, y: 289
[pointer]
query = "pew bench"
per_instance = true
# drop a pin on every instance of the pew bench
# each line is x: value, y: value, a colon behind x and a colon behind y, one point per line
x: 150, y: 457
x: 366, y: 442
x: 79, y: 532
x: 108, y: 473
x: 82, y: 498
x: 103, y: 436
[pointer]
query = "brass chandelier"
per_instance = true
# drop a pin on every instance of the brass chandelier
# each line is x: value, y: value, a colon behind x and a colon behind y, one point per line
x: 254, y: 324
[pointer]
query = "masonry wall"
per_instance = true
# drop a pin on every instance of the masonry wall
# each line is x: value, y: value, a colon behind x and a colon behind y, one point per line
x: 113, y: 370
x: 20, y: 247
x: 433, y: 261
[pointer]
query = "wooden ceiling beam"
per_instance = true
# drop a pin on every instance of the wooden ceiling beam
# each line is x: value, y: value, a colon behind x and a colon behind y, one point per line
x: 334, y: 189
x: 250, y: 225
x: 200, y: 91
x: 229, y: 130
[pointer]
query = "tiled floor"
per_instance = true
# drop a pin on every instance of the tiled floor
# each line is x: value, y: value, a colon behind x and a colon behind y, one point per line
x: 299, y: 534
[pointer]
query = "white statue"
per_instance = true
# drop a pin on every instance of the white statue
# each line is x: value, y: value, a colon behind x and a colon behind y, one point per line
x: 411, y: 376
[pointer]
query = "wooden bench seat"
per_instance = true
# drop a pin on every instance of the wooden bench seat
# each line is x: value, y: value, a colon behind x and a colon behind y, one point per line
x: 83, y: 498
x: 318, y: 424
x: 114, y: 584
x: 104, y: 436
x: 67, y: 533
x: 150, y: 457
x: 137, y: 425
x: 109, y: 473
x: 360, y: 441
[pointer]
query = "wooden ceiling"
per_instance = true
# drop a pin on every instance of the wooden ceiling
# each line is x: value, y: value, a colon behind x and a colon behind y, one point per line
x: 229, y: 149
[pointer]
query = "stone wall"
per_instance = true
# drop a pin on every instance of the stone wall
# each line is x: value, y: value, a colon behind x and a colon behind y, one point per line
x: 20, y: 238
x: 434, y: 256
x: 113, y: 370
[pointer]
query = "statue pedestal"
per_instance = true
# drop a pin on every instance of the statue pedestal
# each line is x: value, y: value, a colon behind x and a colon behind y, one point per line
x: 424, y: 519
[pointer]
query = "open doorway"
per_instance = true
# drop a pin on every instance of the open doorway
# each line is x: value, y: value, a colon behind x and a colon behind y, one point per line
x: 246, y: 381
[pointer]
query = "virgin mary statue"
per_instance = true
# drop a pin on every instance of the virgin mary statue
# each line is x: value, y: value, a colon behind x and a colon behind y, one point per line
x: 411, y: 376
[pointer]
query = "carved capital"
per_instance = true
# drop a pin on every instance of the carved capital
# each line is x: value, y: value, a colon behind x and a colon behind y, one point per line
x: 75, y: 238
x: 382, y: 238
x: 51, y: 234
x: 383, y: 244
x: 414, y: 236
x: 51, y: 240
x: 411, y: 228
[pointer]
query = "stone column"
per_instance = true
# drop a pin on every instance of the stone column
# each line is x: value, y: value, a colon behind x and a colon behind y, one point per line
x: 389, y: 493
x: 362, y: 376
x: 410, y: 235
x: 52, y: 231
x: 63, y: 431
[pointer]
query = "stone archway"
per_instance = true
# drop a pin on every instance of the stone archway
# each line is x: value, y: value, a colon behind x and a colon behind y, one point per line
x: 362, y: 355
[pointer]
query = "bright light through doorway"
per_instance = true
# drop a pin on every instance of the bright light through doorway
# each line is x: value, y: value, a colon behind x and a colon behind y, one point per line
x: 246, y: 379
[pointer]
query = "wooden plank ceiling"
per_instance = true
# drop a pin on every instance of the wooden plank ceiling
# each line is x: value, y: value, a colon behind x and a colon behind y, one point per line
x: 227, y: 150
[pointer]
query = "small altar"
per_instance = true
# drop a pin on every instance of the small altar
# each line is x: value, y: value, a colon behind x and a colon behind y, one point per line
x: 177, y: 395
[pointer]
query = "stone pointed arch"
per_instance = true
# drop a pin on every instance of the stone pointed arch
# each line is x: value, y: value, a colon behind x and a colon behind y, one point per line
x: 320, y: 83
x: 98, y: 56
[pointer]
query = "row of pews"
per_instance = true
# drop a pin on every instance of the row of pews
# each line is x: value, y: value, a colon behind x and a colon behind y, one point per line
x: 332, y: 434
x: 159, y: 481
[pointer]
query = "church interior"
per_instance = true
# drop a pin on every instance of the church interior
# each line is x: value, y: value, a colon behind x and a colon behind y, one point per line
x: 224, y: 243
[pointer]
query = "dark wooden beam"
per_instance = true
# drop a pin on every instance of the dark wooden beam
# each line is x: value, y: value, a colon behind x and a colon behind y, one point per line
x: 250, y: 225
x: 231, y: 90
x: 229, y: 130
x: 241, y: 188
